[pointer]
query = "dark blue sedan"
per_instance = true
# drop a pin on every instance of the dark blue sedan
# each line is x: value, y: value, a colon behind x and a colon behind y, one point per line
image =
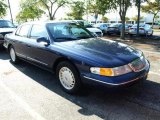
x: 75, y: 55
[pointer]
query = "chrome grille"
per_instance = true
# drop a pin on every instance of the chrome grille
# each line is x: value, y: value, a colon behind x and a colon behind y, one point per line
x: 138, y: 64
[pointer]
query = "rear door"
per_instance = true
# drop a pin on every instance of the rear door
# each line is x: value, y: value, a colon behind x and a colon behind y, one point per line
x: 20, y: 40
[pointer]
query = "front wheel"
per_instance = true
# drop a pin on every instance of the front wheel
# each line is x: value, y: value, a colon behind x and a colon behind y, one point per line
x: 13, y: 56
x: 68, y: 77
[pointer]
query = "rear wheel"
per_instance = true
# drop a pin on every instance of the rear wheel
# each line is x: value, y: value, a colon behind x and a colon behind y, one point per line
x: 68, y: 77
x: 13, y: 56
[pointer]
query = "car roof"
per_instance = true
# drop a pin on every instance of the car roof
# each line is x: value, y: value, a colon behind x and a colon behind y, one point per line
x: 46, y: 22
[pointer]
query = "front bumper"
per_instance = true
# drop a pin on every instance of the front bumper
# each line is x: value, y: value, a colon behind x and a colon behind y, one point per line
x: 135, y: 32
x: 118, y: 80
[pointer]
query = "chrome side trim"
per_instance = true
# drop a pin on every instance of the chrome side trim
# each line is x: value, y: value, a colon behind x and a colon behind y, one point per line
x: 20, y: 55
x: 113, y: 83
x: 32, y: 59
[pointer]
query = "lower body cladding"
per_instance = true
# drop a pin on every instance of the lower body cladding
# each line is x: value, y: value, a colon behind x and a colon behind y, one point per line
x: 121, y: 80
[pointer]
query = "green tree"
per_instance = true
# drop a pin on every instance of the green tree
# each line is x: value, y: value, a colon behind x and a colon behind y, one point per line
x: 29, y: 11
x: 135, y: 18
x: 3, y: 8
x: 105, y: 19
x: 77, y: 10
x: 52, y: 6
x: 98, y: 7
x: 121, y: 5
x: 127, y: 19
x: 152, y: 8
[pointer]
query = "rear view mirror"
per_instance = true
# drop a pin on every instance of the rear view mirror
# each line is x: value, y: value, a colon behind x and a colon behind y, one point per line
x: 44, y: 41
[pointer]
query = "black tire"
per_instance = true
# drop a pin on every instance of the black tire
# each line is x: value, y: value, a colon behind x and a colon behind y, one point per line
x: 13, y: 60
x: 77, y: 83
x: 108, y: 33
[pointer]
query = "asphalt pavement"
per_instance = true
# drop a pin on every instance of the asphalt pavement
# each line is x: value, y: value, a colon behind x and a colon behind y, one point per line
x: 30, y: 93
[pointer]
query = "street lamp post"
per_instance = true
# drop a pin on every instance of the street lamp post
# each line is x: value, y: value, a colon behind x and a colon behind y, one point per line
x: 10, y: 11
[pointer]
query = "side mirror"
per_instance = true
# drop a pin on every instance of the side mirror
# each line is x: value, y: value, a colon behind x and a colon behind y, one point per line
x: 43, y: 41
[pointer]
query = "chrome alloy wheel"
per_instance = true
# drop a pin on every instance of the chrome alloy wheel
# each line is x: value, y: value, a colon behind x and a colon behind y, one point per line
x: 67, y: 78
x: 12, y: 55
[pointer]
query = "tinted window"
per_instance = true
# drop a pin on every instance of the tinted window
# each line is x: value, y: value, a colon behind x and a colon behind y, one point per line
x: 23, y: 31
x: 6, y: 24
x: 38, y: 31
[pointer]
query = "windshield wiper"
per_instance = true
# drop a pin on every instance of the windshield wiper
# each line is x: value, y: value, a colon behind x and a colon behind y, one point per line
x: 84, y: 37
x: 66, y: 38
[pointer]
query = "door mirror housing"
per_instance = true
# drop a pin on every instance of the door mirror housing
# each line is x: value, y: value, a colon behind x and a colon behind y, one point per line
x: 44, y: 41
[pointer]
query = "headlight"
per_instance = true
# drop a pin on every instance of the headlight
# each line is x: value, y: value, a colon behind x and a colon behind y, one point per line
x: 111, y: 71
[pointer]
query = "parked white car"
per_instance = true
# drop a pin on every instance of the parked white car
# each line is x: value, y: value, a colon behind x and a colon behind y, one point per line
x: 102, y: 26
x: 144, y: 29
x: 155, y: 25
x: 89, y: 27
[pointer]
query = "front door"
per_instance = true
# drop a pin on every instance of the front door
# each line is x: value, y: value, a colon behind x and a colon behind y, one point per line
x: 39, y: 53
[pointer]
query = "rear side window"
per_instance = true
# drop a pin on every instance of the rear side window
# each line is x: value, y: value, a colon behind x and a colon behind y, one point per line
x: 23, y: 31
x: 38, y: 31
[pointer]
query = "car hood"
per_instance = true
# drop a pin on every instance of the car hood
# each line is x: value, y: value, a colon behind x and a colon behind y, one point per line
x: 6, y: 30
x: 94, y: 30
x: 101, y: 52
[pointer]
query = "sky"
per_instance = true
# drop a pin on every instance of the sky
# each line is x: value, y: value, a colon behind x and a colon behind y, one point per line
x: 61, y: 14
x: 15, y: 9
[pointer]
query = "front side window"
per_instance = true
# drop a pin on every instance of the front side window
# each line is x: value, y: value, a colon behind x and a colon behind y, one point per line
x: 68, y: 31
x: 23, y: 31
x: 38, y: 31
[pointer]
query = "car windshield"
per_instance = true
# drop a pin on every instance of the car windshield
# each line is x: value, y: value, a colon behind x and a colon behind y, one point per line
x: 114, y: 25
x: 141, y: 25
x: 68, y: 31
x: 6, y: 24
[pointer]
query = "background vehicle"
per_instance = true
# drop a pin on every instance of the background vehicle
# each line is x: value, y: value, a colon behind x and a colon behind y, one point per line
x: 75, y: 55
x: 88, y: 26
x: 5, y: 28
x: 116, y: 28
x: 102, y: 26
x: 155, y: 25
x: 144, y: 29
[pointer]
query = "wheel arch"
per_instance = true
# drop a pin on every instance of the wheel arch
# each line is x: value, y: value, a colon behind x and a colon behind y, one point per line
x: 9, y: 45
x: 63, y: 59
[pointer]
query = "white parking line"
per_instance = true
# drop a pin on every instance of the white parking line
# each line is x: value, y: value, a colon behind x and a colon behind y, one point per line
x: 151, y: 72
x: 23, y: 104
